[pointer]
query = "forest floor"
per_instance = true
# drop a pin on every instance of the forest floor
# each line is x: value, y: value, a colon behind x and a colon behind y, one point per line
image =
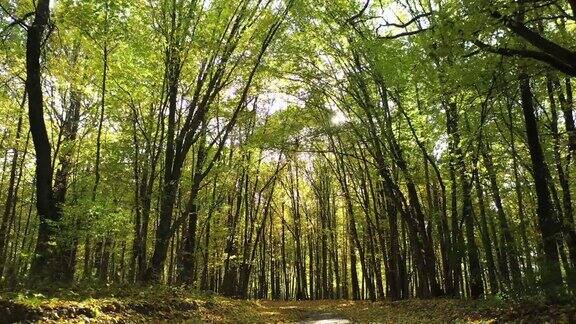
x: 155, y: 304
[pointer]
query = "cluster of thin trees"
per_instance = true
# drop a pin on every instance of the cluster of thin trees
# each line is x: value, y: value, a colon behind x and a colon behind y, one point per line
x: 436, y: 181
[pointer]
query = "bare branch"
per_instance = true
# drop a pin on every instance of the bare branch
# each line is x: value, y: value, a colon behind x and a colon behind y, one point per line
x: 408, y: 33
x: 408, y: 23
x: 352, y: 19
x: 16, y: 21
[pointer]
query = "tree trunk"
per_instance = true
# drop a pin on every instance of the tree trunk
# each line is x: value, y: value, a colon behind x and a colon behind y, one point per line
x: 173, y: 162
x: 547, y: 221
x: 44, y: 265
x: 69, y: 246
x: 507, y: 240
x: 492, y: 276
x: 12, y: 191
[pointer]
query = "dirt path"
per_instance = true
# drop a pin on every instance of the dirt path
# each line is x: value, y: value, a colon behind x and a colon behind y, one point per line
x: 324, y: 318
x: 310, y: 312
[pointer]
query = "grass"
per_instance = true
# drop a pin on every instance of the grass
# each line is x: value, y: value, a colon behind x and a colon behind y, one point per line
x: 161, y: 303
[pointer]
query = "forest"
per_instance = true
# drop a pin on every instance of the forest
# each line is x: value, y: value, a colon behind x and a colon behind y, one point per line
x: 268, y: 153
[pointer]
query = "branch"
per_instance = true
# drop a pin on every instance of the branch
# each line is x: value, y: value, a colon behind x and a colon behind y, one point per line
x: 552, y: 53
x: 539, y: 56
x: 411, y: 21
x: 15, y: 20
x: 408, y: 33
x: 540, y: 42
x: 359, y: 14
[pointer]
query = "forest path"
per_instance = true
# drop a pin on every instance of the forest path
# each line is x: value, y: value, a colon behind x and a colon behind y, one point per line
x: 310, y: 312
x: 324, y: 318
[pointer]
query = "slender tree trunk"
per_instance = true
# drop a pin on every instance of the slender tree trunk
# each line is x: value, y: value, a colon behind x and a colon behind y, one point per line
x: 520, y: 199
x: 353, y: 263
x: 507, y: 240
x: 188, y: 253
x: 12, y: 191
x: 105, y: 53
x: 492, y: 275
x: 69, y: 246
x: 547, y: 221
x: 284, y: 259
x: 456, y: 244
x: 563, y: 176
